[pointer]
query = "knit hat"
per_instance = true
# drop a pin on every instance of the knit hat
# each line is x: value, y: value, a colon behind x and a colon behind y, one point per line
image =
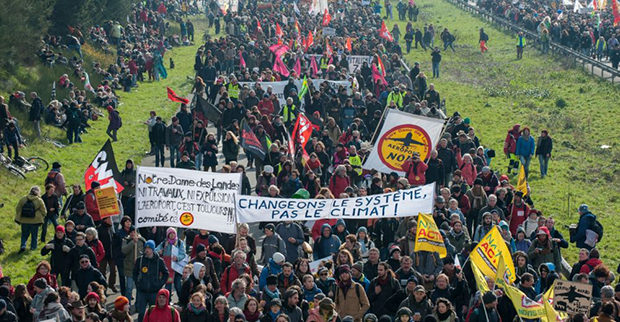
x: 327, y: 304
x: 321, y: 296
x: 213, y: 240
x: 362, y: 229
x: 348, y: 318
x: 419, y: 288
x: 120, y: 303
x: 370, y: 318
x: 448, y: 260
x: 404, y: 311
x: 91, y: 295
x: 411, y: 223
x: 414, y: 279
x: 359, y: 266
x: 95, y: 184
x: 80, y: 205
x: 60, y: 228
x: 149, y: 244
x: 200, y: 248
x: 344, y: 269
x: 322, y: 269
x: 40, y: 283
x: 271, y: 227
x: 272, y: 280
x: 404, y: 182
x: 478, y: 181
x: 489, y: 297
x: 278, y: 257
x: 276, y: 301
x: 393, y: 249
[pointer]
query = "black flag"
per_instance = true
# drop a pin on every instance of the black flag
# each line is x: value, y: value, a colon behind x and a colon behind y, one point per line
x: 250, y: 142
x: 104, y: 170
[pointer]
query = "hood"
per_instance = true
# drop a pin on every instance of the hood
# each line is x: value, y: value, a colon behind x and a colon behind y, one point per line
x: 110, y: 109
x: 339, y: 222
x: 593, y: 262
x: 515, y: 128
x: 328, y: 227
x: 197, y: 267
x: 549, y: 265
x: 589, y: 215
x: 133, y: 165
x: 164, y: 292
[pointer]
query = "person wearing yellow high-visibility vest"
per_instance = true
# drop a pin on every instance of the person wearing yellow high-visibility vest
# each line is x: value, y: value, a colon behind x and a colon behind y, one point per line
x: 355, y: 161
x: 233, y: 89
x: 396, y: 95
x: 289, y: 112
x: 324, y: 64
x: 520, y: 44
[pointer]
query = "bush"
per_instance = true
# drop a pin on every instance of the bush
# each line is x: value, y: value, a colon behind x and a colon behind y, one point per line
x: 560, y: 103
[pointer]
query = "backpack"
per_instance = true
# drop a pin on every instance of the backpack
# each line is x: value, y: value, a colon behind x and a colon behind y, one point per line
x: 51, y: 178
x: 597, y: 227
x: 28, y: 209
x: 120, y: 122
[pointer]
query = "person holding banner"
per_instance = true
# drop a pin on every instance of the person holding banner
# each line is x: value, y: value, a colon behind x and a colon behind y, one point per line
x: 487, y: 312
x: 172, y: 250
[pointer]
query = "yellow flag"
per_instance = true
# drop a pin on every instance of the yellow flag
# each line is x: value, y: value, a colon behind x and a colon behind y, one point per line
x: 428, y: 237
x: 481, y: 281
x: 552, y: 314
x: 526, y: 308
x: 522, y: 181
x: 487, y: 254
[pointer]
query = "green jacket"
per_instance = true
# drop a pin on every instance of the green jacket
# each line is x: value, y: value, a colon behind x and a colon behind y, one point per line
x: 41, y: 211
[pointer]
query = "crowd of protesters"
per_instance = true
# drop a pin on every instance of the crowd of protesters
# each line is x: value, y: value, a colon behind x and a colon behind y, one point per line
x: 374, y: 274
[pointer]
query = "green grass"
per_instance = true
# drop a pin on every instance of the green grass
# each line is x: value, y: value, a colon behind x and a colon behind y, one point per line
x: 496, y: 91
x: 132, y: 142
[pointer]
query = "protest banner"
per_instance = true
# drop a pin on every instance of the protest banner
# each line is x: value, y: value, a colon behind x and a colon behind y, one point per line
x: 571, y: 297
x: 328, y: 31
x: 315, y: 265
x: 403, y: 134
x: 107, y: 202
x: 401, y: 203
x: 428, y: 237
x: 186, y: 198
x: 278, y: 87
x: 355, y: 61
x: 104, y: 170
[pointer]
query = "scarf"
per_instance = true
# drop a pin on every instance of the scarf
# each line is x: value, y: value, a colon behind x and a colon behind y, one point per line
x: 444, y: 316
x: 274, y: 316
x: 121, y: 316
x: 251, y: 317
x: 173, y: 240
x: 478, y: 193
x: 196, y: 310
x: 382, y: 281
x: 272, y: 295
x: 455, y: 234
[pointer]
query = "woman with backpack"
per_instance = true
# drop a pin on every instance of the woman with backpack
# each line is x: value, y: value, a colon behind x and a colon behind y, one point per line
x: 30, y: 213
x: 115, y: 123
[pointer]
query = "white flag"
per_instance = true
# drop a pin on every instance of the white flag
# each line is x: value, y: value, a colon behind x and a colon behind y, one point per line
x: 577, y: 7
x: 296, y: 9
x: 403, y: 134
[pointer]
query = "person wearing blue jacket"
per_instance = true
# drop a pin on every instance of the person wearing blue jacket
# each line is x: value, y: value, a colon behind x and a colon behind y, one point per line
x: 274, y: 267
x: 165, y: 248
x: 586, y: 221
x: 525, y: 149
x: 327, y: 244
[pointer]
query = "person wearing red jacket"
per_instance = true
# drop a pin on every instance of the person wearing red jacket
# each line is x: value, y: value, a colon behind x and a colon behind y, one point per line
x: 415, y: 170
x: 265, y: 107
x: 201, y: 239
x: 232, y: 272
x: 517, y: 212
x: 510, y: 146
x: 95, y: 244
x: 467, y: 167
x: 339, y: 181
x: 42, y: 271
x: 162, y: 312
x: 91, y: 203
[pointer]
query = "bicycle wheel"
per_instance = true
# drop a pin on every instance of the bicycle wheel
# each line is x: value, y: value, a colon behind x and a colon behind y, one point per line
x: 16, y: 171
x: 39, y: 163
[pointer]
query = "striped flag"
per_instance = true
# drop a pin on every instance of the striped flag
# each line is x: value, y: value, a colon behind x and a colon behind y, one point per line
x: 304, y: 88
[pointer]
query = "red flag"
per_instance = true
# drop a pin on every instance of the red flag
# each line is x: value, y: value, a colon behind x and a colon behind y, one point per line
x: 381, y: 66
x: 377, y: 76
x: 290, y: 43
x: 258, y: 27
x: 614, y: 7
x: 328, y: 49
x: 278, y: 49
x: 310, y: 40
x: 349, y: 47
x: 104, y: 170
x: 297, y: 67
x: 279, y: 33
x: 326, y: 18
x: 313, y: 66
x: 279, y: 67
x: 176, y: 98
x: 301, y: 132
x: 385, y: 33
x: 241, y: 59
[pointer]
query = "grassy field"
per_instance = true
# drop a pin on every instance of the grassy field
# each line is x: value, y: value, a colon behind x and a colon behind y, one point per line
x: 132, y: 143
x: 496, y: 91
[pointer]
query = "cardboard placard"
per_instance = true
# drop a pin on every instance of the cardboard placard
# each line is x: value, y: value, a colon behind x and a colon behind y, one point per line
x: 107, y: 202
x: 571, y: 297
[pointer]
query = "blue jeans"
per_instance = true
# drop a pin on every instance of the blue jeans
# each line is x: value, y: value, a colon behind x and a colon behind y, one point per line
x: 435, y: 70
x: 198, y: 161
x: 177, y: 284
x: 48, y: 219
x: 408, y: 43
x: 143, y: 301
x: 129, y: 286
x: 159, y: 155
x: 73, y: 134
x: 32, y: 231
x: 525, y: 161
x: 544, y: 164
x: 175, y: 157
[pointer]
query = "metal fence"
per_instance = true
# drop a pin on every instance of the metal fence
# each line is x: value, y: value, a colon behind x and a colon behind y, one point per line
x: 588, y: 64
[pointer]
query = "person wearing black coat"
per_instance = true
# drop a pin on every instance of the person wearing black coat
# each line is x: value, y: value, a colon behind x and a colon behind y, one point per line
x: 543, y: 151
x: 435, y: 171
x: 60, y: 262
x: 382, y: 287
x: 158, y: 132
x: 86, y: 274
x: 36, y: 109
x: 80, y: 249
x: 105, y: 232
x: 5, y: 296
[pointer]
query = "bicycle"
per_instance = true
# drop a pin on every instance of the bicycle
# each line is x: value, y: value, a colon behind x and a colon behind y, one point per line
x: 8, y: 164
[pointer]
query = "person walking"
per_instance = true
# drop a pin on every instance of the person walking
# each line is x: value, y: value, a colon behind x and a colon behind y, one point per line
x: 150, y: 275
x: 59, y: 246
x: 174, y: 137
x: 436, y: 59
x: 30, y: 213
x: 520, y: 45
x: 543, y: 151
x: 115, y: 123
x: 525, y: 149
x: 158, y: 132
x: 484, y: 38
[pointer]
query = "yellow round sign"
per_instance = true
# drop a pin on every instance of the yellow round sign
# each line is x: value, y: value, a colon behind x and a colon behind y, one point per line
x: 186, y: 219
x: 145, y: 269
x: 399, y: 143
x: 149, y: 180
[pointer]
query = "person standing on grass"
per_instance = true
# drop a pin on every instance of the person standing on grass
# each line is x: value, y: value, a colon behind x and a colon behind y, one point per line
x: 36, y: 110
x: 520, y: 45
x: 484, y: 38
x: 115, y: 123
x: 525, y: 149
x: 159, y: 141
x: 436, y: 59
x: 543, y: 151
x: 30, y: 213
